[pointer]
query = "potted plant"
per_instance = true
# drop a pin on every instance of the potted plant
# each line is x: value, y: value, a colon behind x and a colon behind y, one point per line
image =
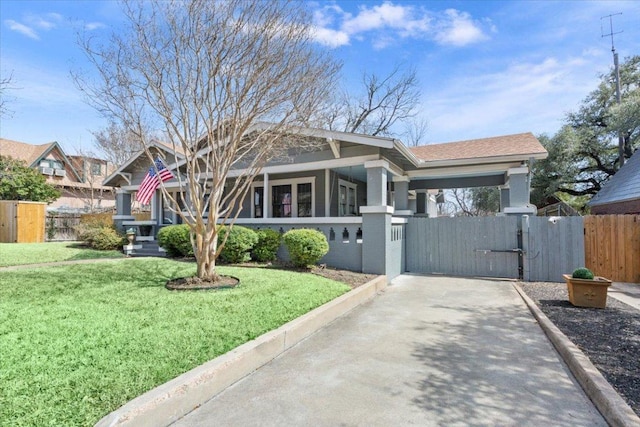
x: 585, y: 289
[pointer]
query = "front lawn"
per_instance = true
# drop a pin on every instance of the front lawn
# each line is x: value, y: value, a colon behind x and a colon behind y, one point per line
x: 78, y: 341
x: 35, y: 253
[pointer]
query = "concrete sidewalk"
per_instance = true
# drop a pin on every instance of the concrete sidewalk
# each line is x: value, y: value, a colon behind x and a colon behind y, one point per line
x: 628, y: 293
x: 430, y: 351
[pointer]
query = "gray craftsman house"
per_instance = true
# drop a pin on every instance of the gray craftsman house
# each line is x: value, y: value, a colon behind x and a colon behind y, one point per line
x: 357, y: 189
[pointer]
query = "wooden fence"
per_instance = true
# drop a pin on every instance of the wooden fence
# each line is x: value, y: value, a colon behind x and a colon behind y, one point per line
x: 21, y: 222
x: 612, y: 246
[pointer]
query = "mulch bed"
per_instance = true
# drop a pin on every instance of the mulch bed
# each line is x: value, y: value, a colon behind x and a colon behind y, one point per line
x: 609, y: 337
x: 197, y: 284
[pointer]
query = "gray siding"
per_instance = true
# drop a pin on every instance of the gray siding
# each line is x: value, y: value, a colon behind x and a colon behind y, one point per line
x: 552, y: 249
x: 463, y: 246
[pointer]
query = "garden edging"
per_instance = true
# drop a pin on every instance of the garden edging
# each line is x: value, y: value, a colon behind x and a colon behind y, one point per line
x: 169, y: 402
x: 613, y: 408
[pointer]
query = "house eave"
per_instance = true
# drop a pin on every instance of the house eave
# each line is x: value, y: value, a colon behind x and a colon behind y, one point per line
x: 483, y: 160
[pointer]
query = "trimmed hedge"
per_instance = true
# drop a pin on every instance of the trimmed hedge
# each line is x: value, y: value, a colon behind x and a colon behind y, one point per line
x: 266, y: 248
x: 305, y: 246
x: 175, y: 240
x: 239, y: 244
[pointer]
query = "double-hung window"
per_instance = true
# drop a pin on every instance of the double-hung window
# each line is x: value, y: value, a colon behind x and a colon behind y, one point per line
x: 347, y: 198
x: 292, y: 198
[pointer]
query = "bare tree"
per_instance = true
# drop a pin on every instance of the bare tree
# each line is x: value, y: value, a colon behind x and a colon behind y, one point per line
x: 416, y: 132
x: 205, y: 73
x: 384, y: 102
x: 92, y: 171
x: 116, y: 143
x: 5, y: 85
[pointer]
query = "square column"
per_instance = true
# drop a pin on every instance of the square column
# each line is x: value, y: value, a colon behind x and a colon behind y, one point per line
x: 518, y: 192
x: 401, y: 195
x: 376, y: 182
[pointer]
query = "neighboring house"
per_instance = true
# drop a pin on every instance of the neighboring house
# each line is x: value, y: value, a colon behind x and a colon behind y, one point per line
x: 78, y: 178
x: 621, y: 193
x: 355, y: 187
x: 553, y: 206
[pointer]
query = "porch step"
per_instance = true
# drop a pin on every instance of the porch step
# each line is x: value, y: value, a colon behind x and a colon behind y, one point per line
x: 149, y: 249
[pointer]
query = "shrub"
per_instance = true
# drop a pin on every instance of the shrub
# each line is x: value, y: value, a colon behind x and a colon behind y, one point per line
x: 106, y: 239
x: 239, y: 244
x: 98, y: 236
x: 305, y: 246
x: 582, y: 273
x: 266, y: 248
x: 176, y: 240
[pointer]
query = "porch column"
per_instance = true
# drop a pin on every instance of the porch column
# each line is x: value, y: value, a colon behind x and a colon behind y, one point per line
x: 518, y: 183
x: 376, y: 238
x: 376, y: 182
x: 266, y: 197
x: 401, y: 195
x: 421, y: 202
x: 504, y: 197
x: 123, y: 209
x: 376, y: 220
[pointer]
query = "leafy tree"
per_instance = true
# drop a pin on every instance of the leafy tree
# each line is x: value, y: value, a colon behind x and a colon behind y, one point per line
x: 20, y: 182
x: 583, y: 154
x: 204, y: 74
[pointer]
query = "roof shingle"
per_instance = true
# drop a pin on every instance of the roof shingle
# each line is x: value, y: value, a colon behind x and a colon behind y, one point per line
x: 507, y: 145
x: 21, y: 151
x: 624, y: 185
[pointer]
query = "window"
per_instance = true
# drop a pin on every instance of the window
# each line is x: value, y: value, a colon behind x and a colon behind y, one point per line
x: 50, y: 163
x: 96, y: 169
x: 281, y: 197
x: 347, y: 198
x: 286, y: 198
x: 258, y: 202
x: 304, y: 200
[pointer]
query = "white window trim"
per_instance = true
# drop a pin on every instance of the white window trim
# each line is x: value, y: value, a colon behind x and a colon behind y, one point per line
x: 267, y: 195
x: 347, y: 184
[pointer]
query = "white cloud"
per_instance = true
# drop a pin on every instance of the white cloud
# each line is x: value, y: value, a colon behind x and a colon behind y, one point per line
x: 90, y: 26
x: 44, y: 22
x: 387, y: 22
x: 329, y: 37
x: 22, y: 29
x: 458, y: 29
x: 526, y: 96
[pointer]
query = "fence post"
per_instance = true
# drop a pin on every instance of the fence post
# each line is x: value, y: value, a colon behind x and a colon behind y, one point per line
x: 526, y: 267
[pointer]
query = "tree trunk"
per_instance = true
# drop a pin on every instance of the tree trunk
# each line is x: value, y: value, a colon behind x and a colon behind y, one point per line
x: 204, y: 251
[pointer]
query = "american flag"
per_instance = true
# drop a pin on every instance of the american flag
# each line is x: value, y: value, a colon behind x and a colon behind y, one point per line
x: 151, y: 181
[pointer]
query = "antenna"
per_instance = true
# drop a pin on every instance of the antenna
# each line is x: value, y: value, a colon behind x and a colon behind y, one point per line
x: 621, y: 139
x: 611, y: 33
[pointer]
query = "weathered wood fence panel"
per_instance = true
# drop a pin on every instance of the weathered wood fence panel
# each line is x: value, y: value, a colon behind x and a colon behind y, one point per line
x: 612, y: 246
x: 552, y: 247
x: 477, y: 246
x: 21, y: 221
x: 62, y: 226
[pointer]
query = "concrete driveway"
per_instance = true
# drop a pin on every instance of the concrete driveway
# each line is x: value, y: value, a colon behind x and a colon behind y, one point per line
x: 430, y: 351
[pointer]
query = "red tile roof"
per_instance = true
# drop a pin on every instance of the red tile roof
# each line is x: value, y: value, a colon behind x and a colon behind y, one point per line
x: 497, y: 146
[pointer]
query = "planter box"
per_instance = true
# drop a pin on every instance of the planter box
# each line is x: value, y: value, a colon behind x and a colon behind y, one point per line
x: 587, y: 293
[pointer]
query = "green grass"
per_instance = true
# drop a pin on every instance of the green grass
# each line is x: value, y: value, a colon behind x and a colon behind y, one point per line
x: 35, y: 253
x: 78, y: 341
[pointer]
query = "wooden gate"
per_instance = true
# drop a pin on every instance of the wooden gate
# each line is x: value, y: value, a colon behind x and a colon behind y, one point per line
x: 612, y: 246
x: 21, y: 222
x: 472, y: 247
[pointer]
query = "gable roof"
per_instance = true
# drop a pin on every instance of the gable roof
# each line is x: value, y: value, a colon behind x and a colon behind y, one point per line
x: 623, y: 186
x: 521, y: 145
x: 23, y: 151
x: 32, y: 154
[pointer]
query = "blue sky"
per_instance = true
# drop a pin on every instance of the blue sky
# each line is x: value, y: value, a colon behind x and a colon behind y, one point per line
x: 485, y: 67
